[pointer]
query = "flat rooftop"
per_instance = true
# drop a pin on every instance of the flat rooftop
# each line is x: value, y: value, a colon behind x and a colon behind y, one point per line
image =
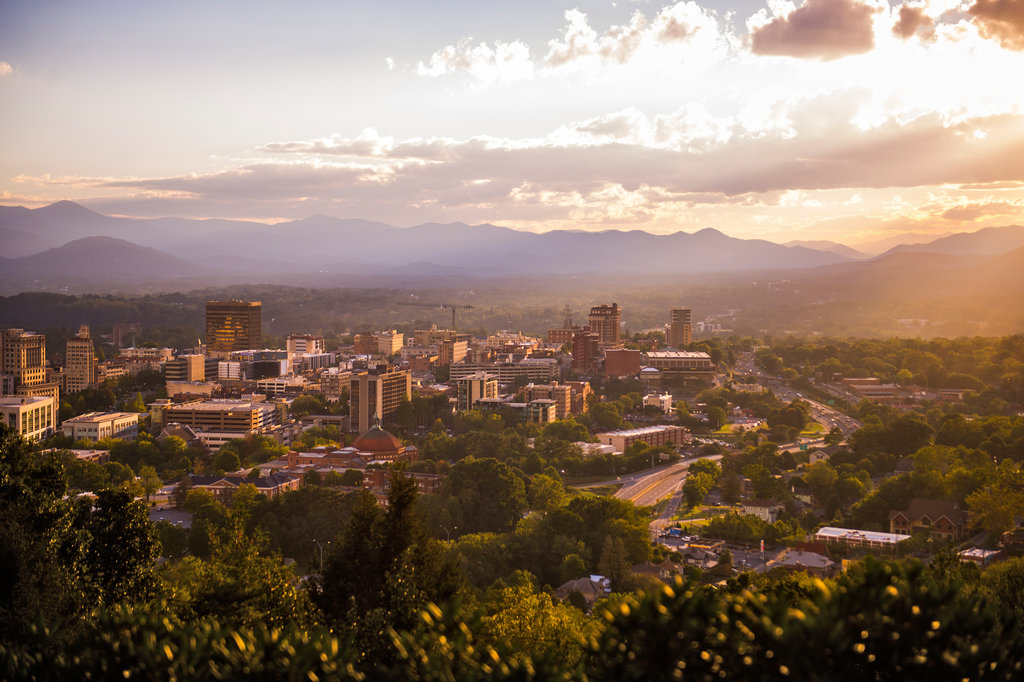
x: 100, y: 416
x: 218, y: 406
x: 832, y: 533
x: 678, y: 354
x: 643, y: 430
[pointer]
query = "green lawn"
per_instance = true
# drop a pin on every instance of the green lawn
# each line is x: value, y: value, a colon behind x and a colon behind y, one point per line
x: 813, y: 429
x: 700, y: 514
x: 605, y: 489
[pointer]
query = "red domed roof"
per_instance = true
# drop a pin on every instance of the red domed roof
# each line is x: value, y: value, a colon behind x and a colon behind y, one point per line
x: 377, y: 440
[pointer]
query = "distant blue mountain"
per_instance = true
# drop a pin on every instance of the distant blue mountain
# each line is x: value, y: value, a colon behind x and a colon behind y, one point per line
x: 485, y: 249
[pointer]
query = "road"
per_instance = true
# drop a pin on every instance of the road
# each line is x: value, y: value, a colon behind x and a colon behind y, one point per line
x: 647, y: 490
x: 651, y: 487
x: 819, y: 412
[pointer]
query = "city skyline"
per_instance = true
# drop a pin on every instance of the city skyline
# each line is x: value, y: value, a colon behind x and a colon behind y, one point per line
x: 831, y: 119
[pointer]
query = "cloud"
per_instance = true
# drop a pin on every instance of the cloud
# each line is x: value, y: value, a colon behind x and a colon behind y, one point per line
x: 6, y: 69
x: 502, y: 63
x: 914, y: 21
x: 623, y: 168
x: 820, y: 29
x: 368, y: 143
x: 579, y: 40
x: 1001, y: 20
x: 970, y: 212
x: 679, y: 24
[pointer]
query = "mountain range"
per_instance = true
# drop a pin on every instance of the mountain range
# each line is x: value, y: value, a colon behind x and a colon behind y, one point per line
x: 65, y: 246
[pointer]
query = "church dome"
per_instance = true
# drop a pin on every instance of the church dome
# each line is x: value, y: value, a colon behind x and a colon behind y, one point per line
x: 377, y: 440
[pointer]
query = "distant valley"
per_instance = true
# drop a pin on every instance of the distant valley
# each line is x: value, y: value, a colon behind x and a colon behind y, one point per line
x: 958, y: 284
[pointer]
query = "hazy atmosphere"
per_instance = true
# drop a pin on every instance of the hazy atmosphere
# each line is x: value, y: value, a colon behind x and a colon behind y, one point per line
x: 835, y: 119
x: 494, y: 342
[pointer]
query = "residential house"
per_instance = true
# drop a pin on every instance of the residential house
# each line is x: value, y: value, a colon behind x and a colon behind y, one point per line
x: 942, y: 518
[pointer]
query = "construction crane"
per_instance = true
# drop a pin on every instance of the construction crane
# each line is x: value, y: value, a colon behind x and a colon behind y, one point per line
x: 567, y: 317
x: 455, y: 306
x: 447, y: 306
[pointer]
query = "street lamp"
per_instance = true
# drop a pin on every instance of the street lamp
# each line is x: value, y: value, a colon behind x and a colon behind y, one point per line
x: 448, y: 531
x: 320, y: 546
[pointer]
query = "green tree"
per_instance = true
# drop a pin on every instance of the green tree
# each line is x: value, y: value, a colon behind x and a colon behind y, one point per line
x: 731, y: 487
x: 522, y: 620
x: 352, y: 477
x: 1004, y: 584
x: 36, y: 577
x: 304, y: 405
x: 241, y: 585
x: 605, y: 416
x: 821, y: 478
x: 716, y: 417
x: 149, y: 480
x: 172, y: 539
x: 696, y: 488
x: 995, y: 508
x: 484, y: 495
x: 119, y: 548
x: 705, y: 466
x: 545, y: 493
x: 614, y: 564
x: 227, y: 460
x: 384, y: 569
x: 568, y: 430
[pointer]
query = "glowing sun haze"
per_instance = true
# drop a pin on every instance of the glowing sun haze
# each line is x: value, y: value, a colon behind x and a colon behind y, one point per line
x: 832, y: 119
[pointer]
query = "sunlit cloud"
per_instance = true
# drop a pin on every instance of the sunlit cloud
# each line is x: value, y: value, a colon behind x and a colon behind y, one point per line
x: 500, y: 63
x: 973, y: 211
x: 820, y: 29
x: 806, y: 115
x: 1001, y: 20
x: 580, y: 47
x: 914, y: 20
x: 625, y: 169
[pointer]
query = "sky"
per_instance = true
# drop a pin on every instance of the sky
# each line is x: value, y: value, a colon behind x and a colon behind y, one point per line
x: 844, y: 120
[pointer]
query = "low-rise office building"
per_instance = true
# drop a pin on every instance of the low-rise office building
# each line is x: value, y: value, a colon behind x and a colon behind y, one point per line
x: 652, y: 435
x: 680, y: 366
x: 100, y: 425
x: 32, y: 417
x: 240, y: 416
x: 852, y: 537
x: 538, y: 412
x: 537, y: 370
x: 560, y: 393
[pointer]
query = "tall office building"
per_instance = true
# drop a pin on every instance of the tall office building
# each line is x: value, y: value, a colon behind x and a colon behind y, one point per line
x: 586, y: 351
x: 604, y: 321
x: 377, y: 392
x: 474, y: 387
x: 680, y: 333
x: 22, y: 360
x: 233, y: 325
x: 80, y: 361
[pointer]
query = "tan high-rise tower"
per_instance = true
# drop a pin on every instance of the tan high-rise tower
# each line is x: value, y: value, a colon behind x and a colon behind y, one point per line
x: 80, y: 361
x: 377, y: 392
x: 233, y: 325
x: 680, y: 334
x: 22, y: 359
